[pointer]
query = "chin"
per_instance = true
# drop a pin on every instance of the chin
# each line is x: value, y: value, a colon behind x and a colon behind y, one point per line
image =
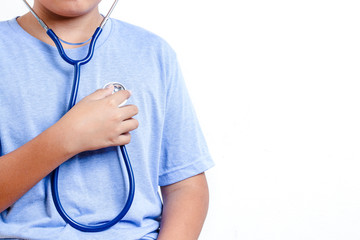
x: 69, y: 8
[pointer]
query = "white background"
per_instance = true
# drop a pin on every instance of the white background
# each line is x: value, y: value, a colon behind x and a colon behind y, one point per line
x: 276, y: 88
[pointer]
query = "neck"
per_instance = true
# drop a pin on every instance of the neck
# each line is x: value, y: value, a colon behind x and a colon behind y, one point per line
x: 71, y: 29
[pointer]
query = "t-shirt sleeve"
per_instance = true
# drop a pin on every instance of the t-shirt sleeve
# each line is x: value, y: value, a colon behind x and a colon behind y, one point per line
x: 184, y: 152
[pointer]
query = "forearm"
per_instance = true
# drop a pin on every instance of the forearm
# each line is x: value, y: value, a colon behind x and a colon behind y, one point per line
x: 185, y: 209
x: 21, y: 169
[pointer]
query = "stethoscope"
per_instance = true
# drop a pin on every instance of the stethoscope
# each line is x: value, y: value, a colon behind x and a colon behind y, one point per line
x: 120, y: 149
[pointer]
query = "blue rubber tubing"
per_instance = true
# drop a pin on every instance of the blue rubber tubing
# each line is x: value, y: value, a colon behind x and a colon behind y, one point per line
x: 121, y: 150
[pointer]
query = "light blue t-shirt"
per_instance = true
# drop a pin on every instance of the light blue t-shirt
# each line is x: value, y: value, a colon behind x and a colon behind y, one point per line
x: 167, y: 147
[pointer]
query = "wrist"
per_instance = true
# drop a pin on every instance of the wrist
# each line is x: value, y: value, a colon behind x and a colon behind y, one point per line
x: 61, y: 140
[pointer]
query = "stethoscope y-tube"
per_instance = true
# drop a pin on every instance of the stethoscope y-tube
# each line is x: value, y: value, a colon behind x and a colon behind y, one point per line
x: 121, y: 150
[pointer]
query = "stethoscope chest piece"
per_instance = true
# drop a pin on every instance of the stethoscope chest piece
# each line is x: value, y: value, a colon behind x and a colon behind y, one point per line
x: 117, y: 87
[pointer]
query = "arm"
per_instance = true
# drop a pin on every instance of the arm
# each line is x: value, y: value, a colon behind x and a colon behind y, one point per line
x: 185, y: 208
x: 95, y: 122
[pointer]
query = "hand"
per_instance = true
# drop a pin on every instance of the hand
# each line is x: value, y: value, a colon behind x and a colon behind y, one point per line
x: 97, y: 122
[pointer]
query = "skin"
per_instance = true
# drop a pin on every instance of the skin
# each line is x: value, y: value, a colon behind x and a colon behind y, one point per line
x: 185, y: 208
x: 94, y: 118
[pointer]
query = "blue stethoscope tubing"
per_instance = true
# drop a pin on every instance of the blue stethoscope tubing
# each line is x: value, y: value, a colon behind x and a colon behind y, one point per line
x: 121, y: 150
x: 54, y: 178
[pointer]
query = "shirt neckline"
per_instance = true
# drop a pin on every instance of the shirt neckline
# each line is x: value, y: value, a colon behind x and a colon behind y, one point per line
x: 33, y: 41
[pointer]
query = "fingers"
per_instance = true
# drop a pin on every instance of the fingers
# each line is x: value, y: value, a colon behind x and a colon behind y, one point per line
x: 124, y: 129
x: 123, y: 139
x: 127, y: 112
x: 116, y: 99
x: 128, y: 125
x: 122, y: 116
x: 101, y: 93
x: 119, y: 97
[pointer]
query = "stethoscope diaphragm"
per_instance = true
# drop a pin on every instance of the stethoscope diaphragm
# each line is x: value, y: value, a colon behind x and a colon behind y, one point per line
x: 117, y: 87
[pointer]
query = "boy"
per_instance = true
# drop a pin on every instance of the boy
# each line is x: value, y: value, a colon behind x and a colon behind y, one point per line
x: 167, y: 148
